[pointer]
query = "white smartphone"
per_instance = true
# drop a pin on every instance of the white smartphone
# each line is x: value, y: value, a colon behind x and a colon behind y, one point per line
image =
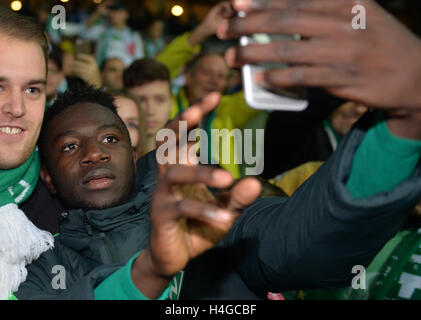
x: 261, y: 98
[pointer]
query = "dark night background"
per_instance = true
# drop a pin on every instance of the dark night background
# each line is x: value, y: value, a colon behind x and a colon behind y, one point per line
x: 408, y: 11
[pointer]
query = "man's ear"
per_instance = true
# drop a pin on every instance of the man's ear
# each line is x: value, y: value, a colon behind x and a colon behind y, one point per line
x: 46, y: 178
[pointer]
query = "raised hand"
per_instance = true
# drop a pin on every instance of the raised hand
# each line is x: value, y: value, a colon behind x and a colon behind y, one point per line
x: 85, y: 67
x: 379, y: 66
x: 210, y: 23
x: 186, y: 223
x: 216, y: 15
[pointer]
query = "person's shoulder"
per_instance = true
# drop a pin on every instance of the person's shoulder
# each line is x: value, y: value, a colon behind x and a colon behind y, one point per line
x: 134, y: 32
x: 42, y: 209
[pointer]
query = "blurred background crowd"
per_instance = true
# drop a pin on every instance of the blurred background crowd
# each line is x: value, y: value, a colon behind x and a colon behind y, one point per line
x: 158, y: 57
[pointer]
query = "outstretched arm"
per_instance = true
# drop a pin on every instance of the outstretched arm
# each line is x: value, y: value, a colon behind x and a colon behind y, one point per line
x: 315, y: 238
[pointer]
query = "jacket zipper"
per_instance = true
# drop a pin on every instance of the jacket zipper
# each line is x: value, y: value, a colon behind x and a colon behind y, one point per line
x: 87, y: 224
x: 103, y: 236
x: 109, y: 246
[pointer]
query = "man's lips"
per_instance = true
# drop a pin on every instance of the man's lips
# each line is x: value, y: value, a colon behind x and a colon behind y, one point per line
x: 98, y: 179
x: 151, y: 123
x: 99, y: 184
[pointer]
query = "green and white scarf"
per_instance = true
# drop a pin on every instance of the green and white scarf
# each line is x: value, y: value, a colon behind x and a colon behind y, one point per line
x: 20, y: 241
x: 400, y: 276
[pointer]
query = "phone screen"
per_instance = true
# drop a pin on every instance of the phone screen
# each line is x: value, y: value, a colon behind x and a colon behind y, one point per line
x: 83, y: 47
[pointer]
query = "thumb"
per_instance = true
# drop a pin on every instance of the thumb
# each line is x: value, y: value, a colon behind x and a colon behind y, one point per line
x: 244, y: 193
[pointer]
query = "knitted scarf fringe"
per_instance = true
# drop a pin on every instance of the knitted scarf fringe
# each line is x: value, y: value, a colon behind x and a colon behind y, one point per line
x: 21, y: 242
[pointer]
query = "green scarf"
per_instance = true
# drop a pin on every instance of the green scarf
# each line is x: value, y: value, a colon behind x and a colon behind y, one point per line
x: 16, y: 185
x: 400, y: 276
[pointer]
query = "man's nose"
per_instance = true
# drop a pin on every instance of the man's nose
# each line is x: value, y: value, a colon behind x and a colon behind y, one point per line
x: 213, y: 79
x: 13, y: 104
x: 93, y: 153
x: 149, y: 109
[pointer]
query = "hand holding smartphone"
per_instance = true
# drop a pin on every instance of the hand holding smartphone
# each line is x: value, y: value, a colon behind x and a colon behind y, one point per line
x: 83, y: 47
x: 262, y: 98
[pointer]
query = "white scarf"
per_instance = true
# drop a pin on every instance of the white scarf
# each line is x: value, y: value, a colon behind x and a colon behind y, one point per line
x: 20, y: 244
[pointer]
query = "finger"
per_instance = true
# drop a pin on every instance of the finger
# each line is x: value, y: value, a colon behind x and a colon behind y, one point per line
x: 183, y: 149
x: 192, y: 215
x: 281, y: 22
x: 209, y: 103
x: 231, y: 58
x: 283, y: 51
x: 79, y: 73
x: 190, y: 151
x: 226, y: 10
x: 195, y: 150
x: 181, y: 174
x: 301, y: 76
x: 348, y: 93
x: 243, y: 194
x: 194, y: 114
x: 87, y: 58
x: 197, y: 191
x: 80, y: 66
x: 78, y: 70
x: 204, y: 212
x: 184, y: 153
x: 308, y: 5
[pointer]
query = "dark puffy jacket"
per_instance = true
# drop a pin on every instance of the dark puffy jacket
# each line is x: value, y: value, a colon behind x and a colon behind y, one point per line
x: 311, y: 240
x: 93, y: 244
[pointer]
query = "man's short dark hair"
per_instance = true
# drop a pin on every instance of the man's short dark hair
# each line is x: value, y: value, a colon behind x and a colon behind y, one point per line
x: 193, y: 62
x: 144, y: 71
x: 118, y: 5
x: 80, y: 92
x: 19, y: 27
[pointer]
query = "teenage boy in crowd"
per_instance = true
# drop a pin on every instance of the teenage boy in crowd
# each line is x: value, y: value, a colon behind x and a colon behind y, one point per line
x: 112, y: 74
x: 150, y: 82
